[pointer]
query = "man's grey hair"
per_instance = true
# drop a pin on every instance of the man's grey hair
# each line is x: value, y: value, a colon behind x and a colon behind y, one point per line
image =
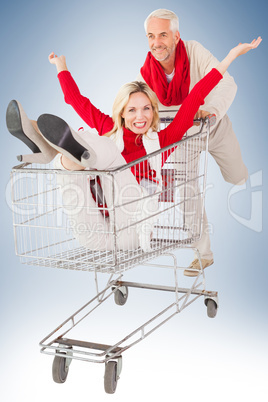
x: 166, y: 15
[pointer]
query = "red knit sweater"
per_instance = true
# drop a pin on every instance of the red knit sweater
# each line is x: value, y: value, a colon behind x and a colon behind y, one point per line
x: 135, y: 149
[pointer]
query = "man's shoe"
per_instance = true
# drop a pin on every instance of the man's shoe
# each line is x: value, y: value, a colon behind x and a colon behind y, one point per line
x: 194, y: 267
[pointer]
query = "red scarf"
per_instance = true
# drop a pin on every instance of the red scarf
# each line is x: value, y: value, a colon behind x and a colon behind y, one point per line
x: 172, y: 93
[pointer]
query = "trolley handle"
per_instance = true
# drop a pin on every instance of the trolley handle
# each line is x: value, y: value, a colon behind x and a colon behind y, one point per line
x: 210, y: 119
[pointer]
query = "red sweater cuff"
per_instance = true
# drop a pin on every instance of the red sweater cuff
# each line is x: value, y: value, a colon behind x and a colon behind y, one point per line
x: 62, y: 73
x: 218, y: 75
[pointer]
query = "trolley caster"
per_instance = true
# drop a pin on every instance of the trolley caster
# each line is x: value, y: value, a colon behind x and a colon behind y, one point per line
x: 121, y: 295
x: 60, y: 368
x: 212, y: 307
x: 111, y: 375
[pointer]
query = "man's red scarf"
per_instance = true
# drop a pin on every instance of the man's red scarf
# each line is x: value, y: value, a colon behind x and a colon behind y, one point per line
x: 172, y: 93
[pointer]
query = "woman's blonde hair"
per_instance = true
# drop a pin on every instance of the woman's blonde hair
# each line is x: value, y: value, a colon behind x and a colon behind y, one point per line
x: 122, y: 99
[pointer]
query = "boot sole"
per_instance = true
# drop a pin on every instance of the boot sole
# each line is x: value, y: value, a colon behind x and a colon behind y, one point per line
x: 14, y: 126
x: 59, y: 135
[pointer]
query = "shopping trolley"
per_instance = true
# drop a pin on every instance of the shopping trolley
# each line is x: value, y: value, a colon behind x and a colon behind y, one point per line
x: 55, y: 225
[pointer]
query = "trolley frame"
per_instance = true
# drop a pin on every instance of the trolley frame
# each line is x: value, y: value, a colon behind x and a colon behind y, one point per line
x: 66, y: 349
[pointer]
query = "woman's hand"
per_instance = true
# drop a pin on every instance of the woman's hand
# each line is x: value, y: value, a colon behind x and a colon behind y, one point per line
x: 60, y: 62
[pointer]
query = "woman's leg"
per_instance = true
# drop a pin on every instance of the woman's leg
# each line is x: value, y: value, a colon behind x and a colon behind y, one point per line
x: 84, y: 219
x: 122, y: 195
x: 121, y: 190
x: 130, y: 211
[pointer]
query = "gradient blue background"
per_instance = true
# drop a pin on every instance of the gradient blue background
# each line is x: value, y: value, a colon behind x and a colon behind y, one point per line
x: 192, y: 357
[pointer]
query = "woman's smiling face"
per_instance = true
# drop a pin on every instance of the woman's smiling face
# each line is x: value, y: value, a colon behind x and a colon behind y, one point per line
x: 138, y: 113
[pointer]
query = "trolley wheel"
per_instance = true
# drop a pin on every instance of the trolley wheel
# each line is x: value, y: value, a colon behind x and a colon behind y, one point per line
x: 59, y: 369
x: 121, y: 295
x: 110, y: 377
x: 211, y: 308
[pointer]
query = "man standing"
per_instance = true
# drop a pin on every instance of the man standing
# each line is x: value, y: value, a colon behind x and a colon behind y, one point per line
x: 171, y: 69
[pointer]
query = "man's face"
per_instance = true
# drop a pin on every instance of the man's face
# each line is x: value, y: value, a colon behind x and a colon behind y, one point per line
x: 162, y: 41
